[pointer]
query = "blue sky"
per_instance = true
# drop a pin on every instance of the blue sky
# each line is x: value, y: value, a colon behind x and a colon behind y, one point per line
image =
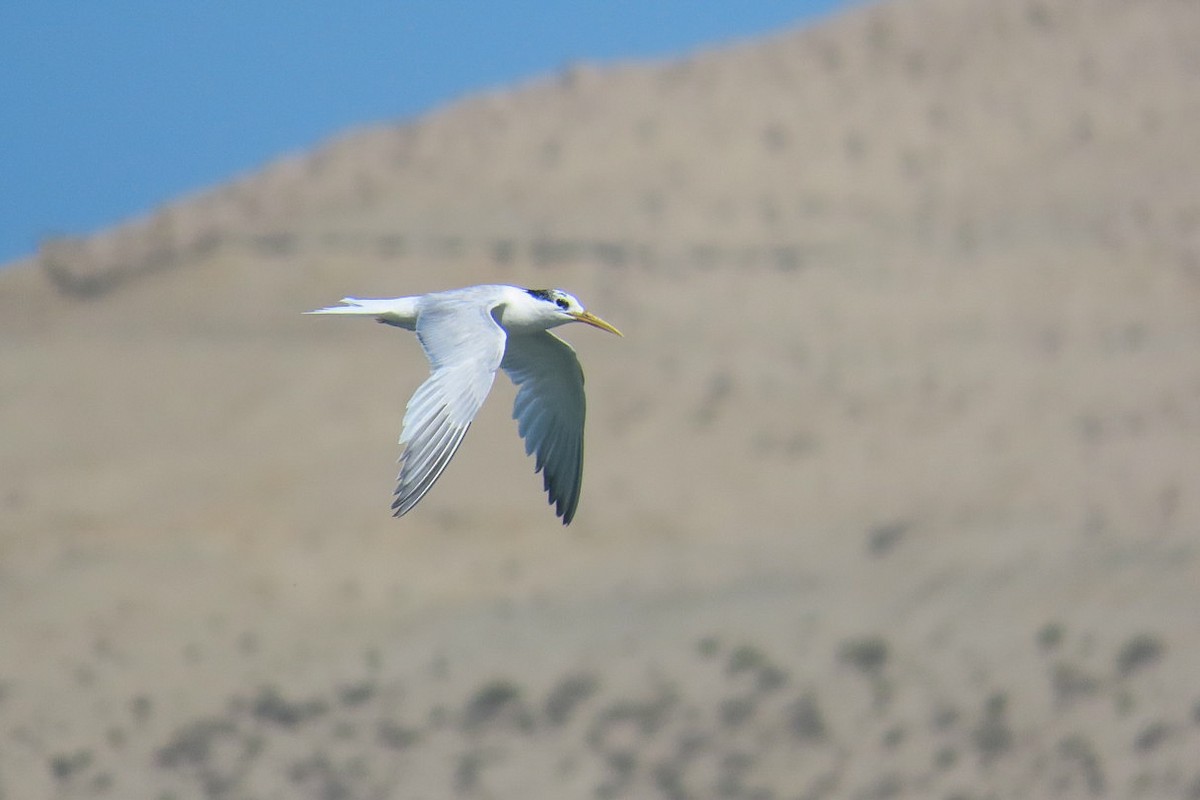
x: 112, y: 108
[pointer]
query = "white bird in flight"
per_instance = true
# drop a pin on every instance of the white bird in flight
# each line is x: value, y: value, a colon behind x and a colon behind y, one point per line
x: 466, y: 334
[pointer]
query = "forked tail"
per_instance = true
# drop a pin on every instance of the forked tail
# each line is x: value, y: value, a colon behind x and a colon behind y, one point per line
x: 398, y: 311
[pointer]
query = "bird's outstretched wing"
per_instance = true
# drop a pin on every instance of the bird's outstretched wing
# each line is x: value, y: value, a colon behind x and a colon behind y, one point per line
x: 550, y: 409
x: 464, y: 345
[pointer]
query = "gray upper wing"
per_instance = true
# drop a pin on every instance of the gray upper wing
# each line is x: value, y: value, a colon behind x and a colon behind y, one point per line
x: 550, y: 410
x: 464, y: 345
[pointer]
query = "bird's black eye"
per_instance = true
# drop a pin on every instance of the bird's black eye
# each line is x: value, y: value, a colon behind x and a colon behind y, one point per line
x: 563, y: 304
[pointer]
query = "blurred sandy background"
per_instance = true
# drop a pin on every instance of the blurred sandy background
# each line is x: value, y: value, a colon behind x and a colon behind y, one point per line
x: 891, y: 488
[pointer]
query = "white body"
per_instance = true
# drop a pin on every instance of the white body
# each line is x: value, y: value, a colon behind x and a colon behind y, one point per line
x: 509, y: 304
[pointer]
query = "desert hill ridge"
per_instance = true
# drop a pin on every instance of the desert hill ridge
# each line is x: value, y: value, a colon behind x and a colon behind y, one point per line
x: 890, y: 489
x: 883, y: 127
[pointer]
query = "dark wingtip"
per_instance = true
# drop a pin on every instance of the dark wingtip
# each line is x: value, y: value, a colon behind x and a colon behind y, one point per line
x: 567, y: 512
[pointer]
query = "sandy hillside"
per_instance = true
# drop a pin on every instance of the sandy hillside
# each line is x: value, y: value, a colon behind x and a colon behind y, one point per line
x: 891, y: 488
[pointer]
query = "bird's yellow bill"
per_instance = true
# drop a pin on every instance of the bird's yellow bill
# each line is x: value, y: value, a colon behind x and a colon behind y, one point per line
x: 592, y: 319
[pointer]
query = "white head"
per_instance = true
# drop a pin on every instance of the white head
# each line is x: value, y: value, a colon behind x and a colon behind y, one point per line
x: 562, y: 307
